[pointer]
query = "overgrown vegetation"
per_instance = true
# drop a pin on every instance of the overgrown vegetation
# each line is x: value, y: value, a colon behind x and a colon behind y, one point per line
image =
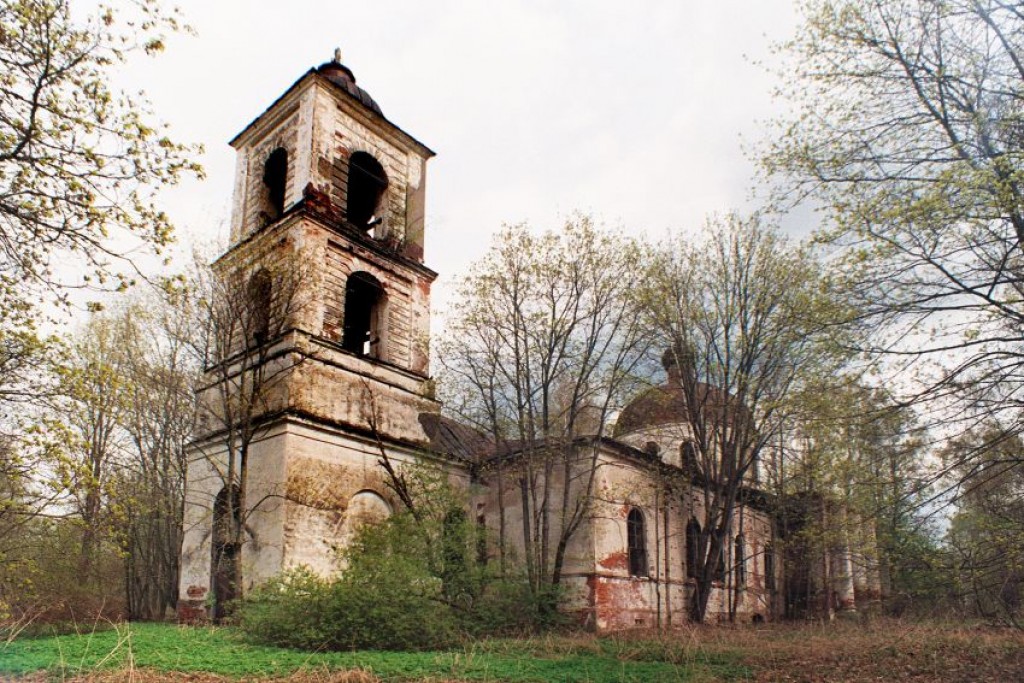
x: 410, y: 582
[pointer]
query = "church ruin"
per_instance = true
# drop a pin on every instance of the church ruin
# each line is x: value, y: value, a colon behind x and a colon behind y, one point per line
x: 325, y: 180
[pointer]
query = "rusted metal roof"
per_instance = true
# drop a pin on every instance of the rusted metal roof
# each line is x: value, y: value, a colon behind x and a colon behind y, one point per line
x: 342, y: 76
x: 454, y: 439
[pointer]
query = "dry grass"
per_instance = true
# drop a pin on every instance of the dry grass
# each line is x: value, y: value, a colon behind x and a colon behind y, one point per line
x: 879, y: 650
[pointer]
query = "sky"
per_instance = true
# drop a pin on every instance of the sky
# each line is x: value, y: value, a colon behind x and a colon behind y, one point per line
x: 637, y: 113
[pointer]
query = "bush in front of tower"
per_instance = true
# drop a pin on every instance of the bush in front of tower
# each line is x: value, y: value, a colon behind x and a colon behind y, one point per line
x: 387, y: 598
x: 408, y: 585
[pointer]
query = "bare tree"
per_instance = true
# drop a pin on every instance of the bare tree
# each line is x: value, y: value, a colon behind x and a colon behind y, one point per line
x: 543, y: 344
x: 243, y: 317
x: 159, y: 420
x: 744, y: 315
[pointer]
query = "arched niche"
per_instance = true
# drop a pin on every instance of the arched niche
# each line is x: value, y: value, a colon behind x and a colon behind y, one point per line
x: 364, y: 508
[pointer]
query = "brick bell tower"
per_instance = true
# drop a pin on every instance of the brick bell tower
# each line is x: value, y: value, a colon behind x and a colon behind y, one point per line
x: 328, y: 211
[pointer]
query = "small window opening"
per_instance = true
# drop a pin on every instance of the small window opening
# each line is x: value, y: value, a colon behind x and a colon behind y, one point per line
x: 636, y: 541
x: 367, y: 182
x: 364, y: 315
x: 720, y: 564
x: 692, y: 548
x: 275, y: 177
x: 481, y: 539
x: 260, y: 292
x: 227, y: 519
x: 688, y: 456
x: 652, y: 448
x: 757, y: 619
x: 740, y: 558
x: 769, y: 567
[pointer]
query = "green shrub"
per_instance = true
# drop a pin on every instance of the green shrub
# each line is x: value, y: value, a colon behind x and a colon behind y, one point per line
x: 410, y: 583
x: 288, y: 610
x: 508, y: 607
x: 386, y: 599
x: 403, y: 589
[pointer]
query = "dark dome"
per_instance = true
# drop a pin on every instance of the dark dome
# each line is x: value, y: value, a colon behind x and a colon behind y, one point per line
x: 659, y: 405
x: 341, y: 75
x: 666, y: 404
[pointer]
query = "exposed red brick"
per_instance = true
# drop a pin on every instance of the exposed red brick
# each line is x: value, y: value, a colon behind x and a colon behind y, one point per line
x: 196, y: 592
x: 192, y: 612
x: 619, y: 560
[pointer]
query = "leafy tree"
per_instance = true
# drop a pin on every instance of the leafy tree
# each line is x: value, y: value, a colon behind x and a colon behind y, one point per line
x: 745, y: 315
x: 859, y: 452
x: 79, y: 163
x: 908, y: 133
x: 86, y: 410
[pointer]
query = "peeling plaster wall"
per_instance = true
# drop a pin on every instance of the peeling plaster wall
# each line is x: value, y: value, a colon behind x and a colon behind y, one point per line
x: 598, y: 588
x: 342, y: 128
x: 670, y: 438
x: 262, y: 544
x: 407, y: 315
x: 342, y: 388
x: 326, y: 470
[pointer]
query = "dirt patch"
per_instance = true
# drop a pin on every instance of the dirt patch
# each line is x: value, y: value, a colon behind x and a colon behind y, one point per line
x: 880, y: 651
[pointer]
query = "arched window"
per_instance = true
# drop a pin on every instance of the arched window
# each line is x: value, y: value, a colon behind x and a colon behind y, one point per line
x: 367, y: 182
x: 261, y: 288
x: 275, y: 178
x: 364, y: 322
x: 692, y: 548
x: 226, y: 546
x: 769, y: 567
x: 720, y: 564
x: 739, y: 556
x: 688, y: 457
x: 636, y: 541
x: 454, y: 553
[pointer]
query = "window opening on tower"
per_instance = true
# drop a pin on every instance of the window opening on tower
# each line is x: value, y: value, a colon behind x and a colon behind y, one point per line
x: 364, y: 322
x: 367, y: 182
x: 275, y: 178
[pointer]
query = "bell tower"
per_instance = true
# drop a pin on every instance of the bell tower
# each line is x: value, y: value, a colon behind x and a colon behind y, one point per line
x: 328, y: 213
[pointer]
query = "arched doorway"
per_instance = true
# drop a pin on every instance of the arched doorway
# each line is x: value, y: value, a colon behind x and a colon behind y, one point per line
x: 226, y: 551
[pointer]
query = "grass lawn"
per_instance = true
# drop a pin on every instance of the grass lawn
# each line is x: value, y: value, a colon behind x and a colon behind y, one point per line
x: 222, y: 651
x: 882, y: 650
